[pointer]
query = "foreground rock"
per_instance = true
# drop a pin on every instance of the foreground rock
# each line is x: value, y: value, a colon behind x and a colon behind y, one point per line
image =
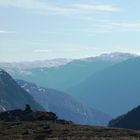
x: 29, y: 125
x: 28, y: 114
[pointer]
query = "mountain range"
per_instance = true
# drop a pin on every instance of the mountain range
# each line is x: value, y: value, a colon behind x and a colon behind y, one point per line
x: 16, y: 94
x: 65, y: 106
x: 66, y: 76
x: 14, y: 123
x: 114, y: 90
x: 100, y: 82
x: 35, y: 64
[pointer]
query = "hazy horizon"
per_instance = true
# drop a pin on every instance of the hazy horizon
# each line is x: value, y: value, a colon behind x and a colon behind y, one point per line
x: 44, y: 29
x: 56, y: 58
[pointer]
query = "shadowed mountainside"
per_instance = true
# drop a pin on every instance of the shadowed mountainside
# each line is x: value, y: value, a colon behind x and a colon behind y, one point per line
x: 12, y: 96
x: 130, y: 120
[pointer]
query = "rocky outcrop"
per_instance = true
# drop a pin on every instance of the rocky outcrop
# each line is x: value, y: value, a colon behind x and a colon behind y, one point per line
x: 29, y: 115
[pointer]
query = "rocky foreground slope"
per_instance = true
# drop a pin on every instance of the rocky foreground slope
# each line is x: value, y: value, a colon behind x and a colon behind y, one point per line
x: 47, y: 130
x: 29, y: 125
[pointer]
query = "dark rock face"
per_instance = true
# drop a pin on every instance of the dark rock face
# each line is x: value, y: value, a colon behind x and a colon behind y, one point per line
x: 28, y: 108
x: 130, y: 120
x: 27, y: 115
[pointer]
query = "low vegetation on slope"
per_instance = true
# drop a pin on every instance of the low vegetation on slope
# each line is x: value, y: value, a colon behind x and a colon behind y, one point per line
x: 30, y: 125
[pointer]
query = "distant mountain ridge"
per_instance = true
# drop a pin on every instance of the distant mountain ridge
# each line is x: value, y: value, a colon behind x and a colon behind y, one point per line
x: 12, y: 96
x: 65, y: 106
x: 36, y: 64
x: 114, y: 56
x: 70, y: 74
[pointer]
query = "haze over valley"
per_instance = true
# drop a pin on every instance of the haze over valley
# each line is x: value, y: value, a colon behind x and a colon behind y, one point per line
x: 69, y: 70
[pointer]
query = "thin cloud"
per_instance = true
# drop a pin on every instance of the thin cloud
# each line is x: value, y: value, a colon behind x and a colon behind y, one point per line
x: 6, y: 32
x: 97, y: 30
x: 103, y: 27
x: 128, y: 26
x: 47, y: 8
x: 97, y: 8
x: 41, y: 51
x: 108, y: 27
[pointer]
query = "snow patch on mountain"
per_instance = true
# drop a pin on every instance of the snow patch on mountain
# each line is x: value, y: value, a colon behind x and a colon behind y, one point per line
x: 35, y: 64
x: 115, y: 56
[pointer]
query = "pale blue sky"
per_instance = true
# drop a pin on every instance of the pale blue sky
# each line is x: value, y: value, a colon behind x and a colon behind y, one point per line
x: 44, y: 29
